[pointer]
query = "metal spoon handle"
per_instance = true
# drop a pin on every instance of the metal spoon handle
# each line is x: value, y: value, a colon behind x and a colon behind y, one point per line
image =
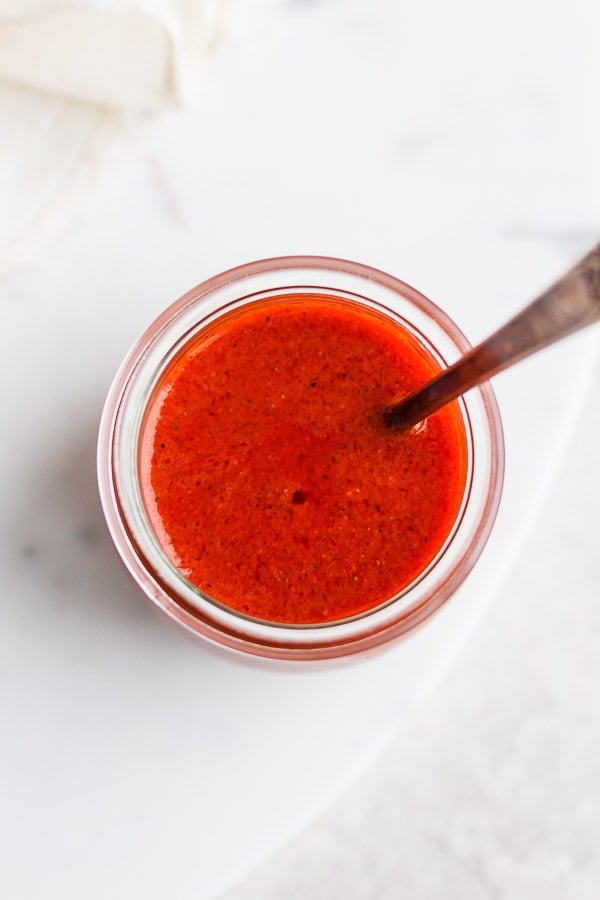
x: 571, y: 303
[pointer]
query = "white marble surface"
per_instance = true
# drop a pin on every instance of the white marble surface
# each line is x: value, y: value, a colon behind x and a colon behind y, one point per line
x: 440, y: 144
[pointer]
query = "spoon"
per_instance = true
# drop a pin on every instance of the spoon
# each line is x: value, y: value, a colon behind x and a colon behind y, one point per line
x: 573, y: 302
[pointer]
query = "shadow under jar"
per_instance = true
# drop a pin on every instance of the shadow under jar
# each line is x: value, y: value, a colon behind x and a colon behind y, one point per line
x: 250, y: 483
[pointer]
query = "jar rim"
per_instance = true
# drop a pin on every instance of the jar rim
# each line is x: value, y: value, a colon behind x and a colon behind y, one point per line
x: 116, y: 443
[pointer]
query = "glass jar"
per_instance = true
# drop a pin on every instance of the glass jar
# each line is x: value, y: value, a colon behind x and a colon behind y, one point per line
x: 118, y: 462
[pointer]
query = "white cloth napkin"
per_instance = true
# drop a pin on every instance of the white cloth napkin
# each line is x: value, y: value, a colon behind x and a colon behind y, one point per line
x: 71, y: 72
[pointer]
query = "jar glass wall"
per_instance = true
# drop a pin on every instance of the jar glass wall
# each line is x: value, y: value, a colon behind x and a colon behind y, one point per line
x: 119, y: 462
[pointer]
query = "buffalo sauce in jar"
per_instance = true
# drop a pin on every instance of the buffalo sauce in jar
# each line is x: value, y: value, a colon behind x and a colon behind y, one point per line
x: 269, y: 477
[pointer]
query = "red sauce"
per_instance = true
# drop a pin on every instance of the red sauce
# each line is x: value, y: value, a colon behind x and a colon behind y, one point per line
x: 269, y: 476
